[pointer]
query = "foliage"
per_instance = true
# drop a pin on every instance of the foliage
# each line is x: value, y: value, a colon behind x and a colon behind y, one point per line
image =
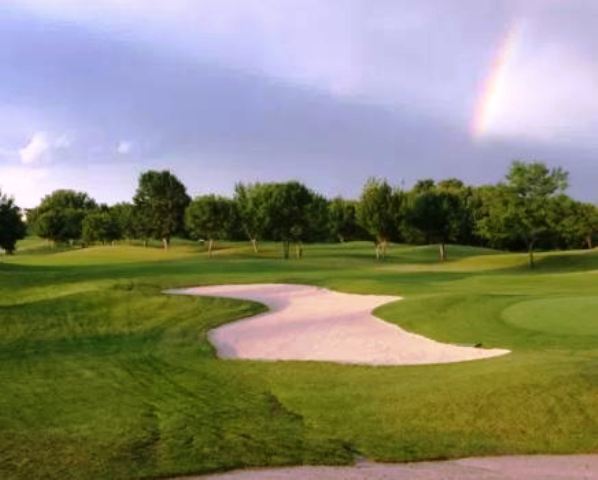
x: 249, y: 204
x: 123, y: 217
x: 379, y: 212
x: 523, y: 208
x: 290, y: 212
x: 59, y: 217
x: 527, y: 211
x: 12, y: 227
x: 342, y: 220
x: 99, y: 226
x: 210, y: 217
x: 160, y: 203
x: 439, y: 214
x: 576, y: 223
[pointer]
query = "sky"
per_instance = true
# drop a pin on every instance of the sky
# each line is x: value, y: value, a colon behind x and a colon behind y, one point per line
x: 329, y: 92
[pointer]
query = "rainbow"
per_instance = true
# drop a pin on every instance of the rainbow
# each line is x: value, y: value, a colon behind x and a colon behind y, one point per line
x: 493, y: 91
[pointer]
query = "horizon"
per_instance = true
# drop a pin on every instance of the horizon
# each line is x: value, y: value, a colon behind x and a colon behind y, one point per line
x: 222, y: 92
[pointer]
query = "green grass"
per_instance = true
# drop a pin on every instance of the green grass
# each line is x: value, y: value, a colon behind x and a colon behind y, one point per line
x: 563, y: 316
x: 105, y: 377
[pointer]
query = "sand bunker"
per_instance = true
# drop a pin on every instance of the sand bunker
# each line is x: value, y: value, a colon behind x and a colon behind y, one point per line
x: 311, y: 323
x: 533, y: 467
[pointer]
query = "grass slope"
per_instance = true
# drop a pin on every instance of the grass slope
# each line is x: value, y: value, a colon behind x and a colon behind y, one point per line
x: 105, y: 377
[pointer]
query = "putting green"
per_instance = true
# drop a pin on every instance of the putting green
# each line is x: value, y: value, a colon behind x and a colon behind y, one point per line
x: 560, y: 316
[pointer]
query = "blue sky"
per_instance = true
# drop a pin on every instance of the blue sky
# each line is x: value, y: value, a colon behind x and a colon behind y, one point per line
x: 325, y: 91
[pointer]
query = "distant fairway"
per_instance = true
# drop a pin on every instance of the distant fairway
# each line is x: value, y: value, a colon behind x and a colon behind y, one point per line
x: 103, y: 376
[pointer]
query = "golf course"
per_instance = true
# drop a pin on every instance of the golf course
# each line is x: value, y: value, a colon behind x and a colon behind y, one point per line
x: 106, y: 376
x: 298, y: 240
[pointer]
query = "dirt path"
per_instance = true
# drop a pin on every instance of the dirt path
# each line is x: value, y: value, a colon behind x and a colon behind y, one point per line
x: 311, y: 323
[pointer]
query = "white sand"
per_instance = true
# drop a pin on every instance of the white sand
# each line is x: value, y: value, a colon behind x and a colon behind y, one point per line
x: 311, y: 323
x: 530, y: 467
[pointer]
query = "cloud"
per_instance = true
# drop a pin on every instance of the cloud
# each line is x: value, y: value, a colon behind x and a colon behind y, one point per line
x: 329, y: 92
x: 41, y: 147
x: 63, y: 141
x: 124, y: 147
x: 36, y: 149
x: 23, y: 183
x: 29, y: 184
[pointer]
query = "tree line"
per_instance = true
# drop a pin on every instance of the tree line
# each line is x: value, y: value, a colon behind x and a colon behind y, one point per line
x: 526, y: 211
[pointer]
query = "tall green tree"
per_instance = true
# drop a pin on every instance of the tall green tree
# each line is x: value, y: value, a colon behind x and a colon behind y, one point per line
x: 424, y: 185
x: 588, y: 223
x: 59, y: 216
x: 209, y: 217
x: 249, y: 200
x: 379, y: 213
x: 160, y: 202
x: 438, y: 213
x: 465, y: 231
x: 522, y: 207
x: 123, y: 217
x: 291, y: 213
x: 342, y: 219
x: 99, y: 226
x: 576, y: 222
x: 12, y: 227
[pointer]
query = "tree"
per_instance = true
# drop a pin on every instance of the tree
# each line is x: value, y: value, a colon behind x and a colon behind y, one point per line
x: 379, y: 211
x: 160, y: 203
x: 423, y: 185
x: 522, y: 207
x: 290, y: 212
x: 12, y: 227
x: 59, y: 216
x: 249, y: 200
x: 588, y: 222
x: 452, y: 184
x: 99, y: 226
x: 209, y: 217
x: 438, y: 214
x: 342, y: 218
x: 576, y: 222
x: 464, y: 219
x: 123, y: 217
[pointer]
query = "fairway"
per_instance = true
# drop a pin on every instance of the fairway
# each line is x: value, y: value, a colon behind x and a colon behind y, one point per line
x: 106, y: 377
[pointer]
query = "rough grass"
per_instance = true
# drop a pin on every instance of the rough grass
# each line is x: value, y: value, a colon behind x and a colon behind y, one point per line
x: 105, y: 377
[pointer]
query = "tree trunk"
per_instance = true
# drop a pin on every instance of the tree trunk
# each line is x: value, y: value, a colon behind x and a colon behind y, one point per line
x: 298, y: 249
x: 285, y: 249
x: 145, y: 242
x: 341, y: 238
x: 165, y: 243
x: 442, y: 252
x: 530, y: 249
x: 377, y: 251
x: 254, y: 245
x: 210, y: 245
x: 589, y: 242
